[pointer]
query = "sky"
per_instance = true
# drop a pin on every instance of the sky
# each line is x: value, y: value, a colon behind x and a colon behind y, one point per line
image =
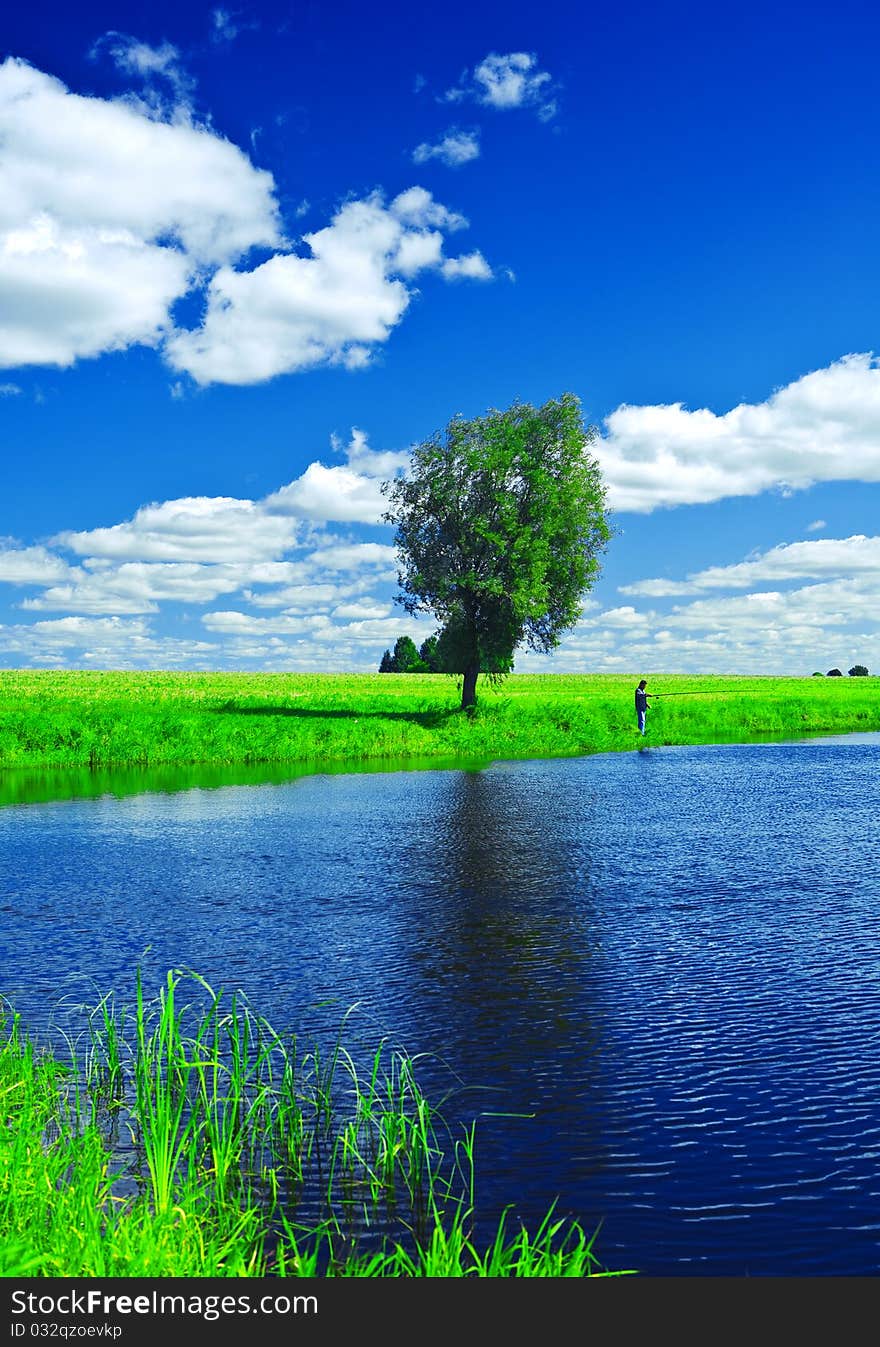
x: 251, y: 256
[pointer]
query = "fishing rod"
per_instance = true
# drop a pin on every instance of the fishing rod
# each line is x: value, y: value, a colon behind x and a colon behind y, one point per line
x: 697, y: 692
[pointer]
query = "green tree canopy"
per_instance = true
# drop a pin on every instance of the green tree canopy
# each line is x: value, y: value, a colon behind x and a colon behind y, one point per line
x: 406, y: 655
x: 858, y: 671
x: 428, y: 654
x: 499, y: 524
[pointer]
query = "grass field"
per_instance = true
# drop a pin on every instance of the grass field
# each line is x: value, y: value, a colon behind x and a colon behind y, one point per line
x: 100, y: 720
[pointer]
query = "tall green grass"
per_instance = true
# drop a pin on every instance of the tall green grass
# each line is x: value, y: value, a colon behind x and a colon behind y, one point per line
x: 95, y: 721
x: 193, y: 1141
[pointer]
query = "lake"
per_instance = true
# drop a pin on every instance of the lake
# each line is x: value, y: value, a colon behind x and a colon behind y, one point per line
x: 653, y: 977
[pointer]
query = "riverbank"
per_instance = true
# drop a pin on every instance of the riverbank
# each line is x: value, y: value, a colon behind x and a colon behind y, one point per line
x: 198, y: 1142
x: 94, y: 719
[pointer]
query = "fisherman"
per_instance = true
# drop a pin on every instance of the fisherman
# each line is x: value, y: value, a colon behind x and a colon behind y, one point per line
x: 642, y: 704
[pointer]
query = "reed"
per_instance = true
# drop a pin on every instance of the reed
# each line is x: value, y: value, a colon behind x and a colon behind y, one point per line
x: 199, y: 1143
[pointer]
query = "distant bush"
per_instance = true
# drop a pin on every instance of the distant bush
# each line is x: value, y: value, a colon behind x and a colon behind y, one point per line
x: 834, y: 673
x: 817, y: 674
x: 406, y: 658
x: 858, y: 671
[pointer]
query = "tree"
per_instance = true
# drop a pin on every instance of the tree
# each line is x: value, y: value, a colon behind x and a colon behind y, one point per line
x: 405, y: 656
x: 428, y: 653
x: 499, y: 522
x: 386, y: 664
x: 858, y: 671
x: 834, y: 673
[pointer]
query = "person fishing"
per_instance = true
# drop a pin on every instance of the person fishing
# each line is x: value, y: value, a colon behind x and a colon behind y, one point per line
x: 642, y: 698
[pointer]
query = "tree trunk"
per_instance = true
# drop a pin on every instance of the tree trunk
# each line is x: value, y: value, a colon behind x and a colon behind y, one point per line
x: 469, y: 686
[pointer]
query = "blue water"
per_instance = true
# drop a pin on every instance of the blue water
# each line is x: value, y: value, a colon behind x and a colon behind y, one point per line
x: 652, y: 977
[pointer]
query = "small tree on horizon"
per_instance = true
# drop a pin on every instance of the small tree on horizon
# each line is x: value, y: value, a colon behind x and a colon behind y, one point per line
x: 858, y: 671
x: 499, y: 523
x: 428, y: 653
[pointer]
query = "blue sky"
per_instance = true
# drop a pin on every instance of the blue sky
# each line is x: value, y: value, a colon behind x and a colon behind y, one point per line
x: 249, y: 256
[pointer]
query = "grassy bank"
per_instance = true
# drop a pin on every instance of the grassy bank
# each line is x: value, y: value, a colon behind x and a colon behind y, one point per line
x: 98, y: 720
x: 194, y: 1140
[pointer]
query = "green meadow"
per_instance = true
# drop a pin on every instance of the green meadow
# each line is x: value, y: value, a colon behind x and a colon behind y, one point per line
x: 99, y: 721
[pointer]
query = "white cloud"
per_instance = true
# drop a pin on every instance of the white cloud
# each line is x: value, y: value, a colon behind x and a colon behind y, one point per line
x: 93, y: 164
x: 103, y: 643
x: 823, y: 427
x: 814, y: 627
x: 472, y: 267
x: 136, y: 586
x: 417, y: 209
x: 816, y: 525
x: 379, y: 463
x: 330, y: 308
x: 344, y: 494
x: 509, y: 80
x: 417, y: 250
x: 789, y: 561
x: 362, y: 609
x: 73, y: 293
x: 315, y: 595
x: 331, y: 493
x: 453, y: 150
x: 133, y: 57
x: 231, y: 622
x: 112, y: 210
x: 30, y: 566
x: 108, y: 210
x: 371, y: 632
x: 9, y: 390
x: 194, y: 528
x: 354, y: 556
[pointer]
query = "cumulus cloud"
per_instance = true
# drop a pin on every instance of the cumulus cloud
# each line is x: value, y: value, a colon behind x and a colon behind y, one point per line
x: 348, y: 494
x: 96, y: 164
x: 823, y: 427
x: 369, y: 631
x: 193, y: 528
x: 331, y: 493
x: 508, y: 80
x: 103, y: 643
x: 328, y: 308
x: 473, y: 267
x: 138, y: 587
x: 789, y: 561
x: 796, y: 631
x: 30, y: 566
x: 107, y: 212
x: 380, y: 463
x: 113, y: 210
x: 453, y: 150
x: 70, y: 293
x: 354, y: 557
x: 273, y: 553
